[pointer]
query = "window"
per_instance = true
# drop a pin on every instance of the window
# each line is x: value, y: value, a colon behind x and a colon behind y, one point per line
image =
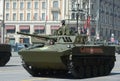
x: 12, y: 41
x: 25, y: 40
x: 55, y: 4
x: 7, y: 16
x: 28, y: 5
x: 43, y: 5
x: 28, y: 16
x: 53, y: 31
x: 43, y: 16
x: 14, y: 5
x: 73, y: 6
x: 40, y: 31
x: 24, y: 28
x: 35, y: 16
x: 36, y: 5
x: 21, y: 16
x: 73, y: 16
x: 25, y: 31
x: 7, y: 5
x: 21, y: 5
x: 10, y: 31
x: 92, y: 6
x: 55, y: 16
x: 14, y: 16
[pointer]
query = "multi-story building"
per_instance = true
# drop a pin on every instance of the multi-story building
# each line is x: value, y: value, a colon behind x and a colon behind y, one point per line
x: 29, y: 16
x: 44, y: 16
x: 109, y: 18
x: 104, y: 15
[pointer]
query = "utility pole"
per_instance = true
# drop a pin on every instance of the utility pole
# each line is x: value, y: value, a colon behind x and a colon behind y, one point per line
x: 113, y: 20
x: 88, y: 15
x: 3, y: 24
x: 77, y: 15
x: 46, y: 16
x: 97, y: 20
x: 79, y: 11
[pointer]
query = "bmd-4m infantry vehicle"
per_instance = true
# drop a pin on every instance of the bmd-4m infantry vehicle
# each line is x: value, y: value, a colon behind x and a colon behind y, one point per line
x: 5, y: 54
x: 68, y: 54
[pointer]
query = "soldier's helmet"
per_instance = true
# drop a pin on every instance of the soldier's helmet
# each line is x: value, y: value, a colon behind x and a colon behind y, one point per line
x: 63, y: 22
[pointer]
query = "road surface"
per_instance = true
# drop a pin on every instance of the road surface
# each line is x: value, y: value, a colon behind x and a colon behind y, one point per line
x: 14, y: 71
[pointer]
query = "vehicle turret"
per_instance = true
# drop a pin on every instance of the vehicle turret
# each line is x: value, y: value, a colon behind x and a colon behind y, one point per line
x: 36, y: 39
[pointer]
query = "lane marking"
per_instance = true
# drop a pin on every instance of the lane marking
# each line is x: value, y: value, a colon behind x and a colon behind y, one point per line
x: 34, y: 79
x: 10, y: 70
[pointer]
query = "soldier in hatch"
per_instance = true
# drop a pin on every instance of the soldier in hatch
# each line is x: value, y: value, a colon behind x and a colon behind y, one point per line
x: 63, y: 30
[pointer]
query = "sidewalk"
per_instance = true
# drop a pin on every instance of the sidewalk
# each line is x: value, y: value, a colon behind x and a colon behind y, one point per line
x: 15, y: 54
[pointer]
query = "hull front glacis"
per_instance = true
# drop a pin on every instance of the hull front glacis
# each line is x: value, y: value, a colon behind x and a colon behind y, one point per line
x: 47, y: 57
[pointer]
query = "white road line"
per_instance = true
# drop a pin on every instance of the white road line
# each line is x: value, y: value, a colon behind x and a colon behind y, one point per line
x: 34, y: 79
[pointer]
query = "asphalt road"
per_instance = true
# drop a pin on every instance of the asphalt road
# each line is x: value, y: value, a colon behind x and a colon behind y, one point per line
x: 13, y: 71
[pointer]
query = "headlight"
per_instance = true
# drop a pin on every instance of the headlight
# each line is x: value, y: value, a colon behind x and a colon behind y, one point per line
x: 69, y: 46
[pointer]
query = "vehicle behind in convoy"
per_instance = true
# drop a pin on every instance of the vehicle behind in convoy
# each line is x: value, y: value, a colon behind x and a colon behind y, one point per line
x: 68, y: 54
x: 5, y: 54
x: 118, y: 49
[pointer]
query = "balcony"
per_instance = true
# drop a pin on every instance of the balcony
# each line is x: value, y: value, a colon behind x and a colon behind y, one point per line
x: 55, y: 10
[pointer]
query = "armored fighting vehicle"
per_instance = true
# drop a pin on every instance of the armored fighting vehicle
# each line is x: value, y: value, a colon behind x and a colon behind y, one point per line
x: 5, y: 54
x: 118, y: 49
x: 70, y: 54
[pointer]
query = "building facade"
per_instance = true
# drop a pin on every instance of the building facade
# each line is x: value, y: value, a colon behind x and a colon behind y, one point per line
x: 1, y: 9
x: 109, y: 18
x: 104, y: 16
x: 44, y: 16
x: 32, y: 16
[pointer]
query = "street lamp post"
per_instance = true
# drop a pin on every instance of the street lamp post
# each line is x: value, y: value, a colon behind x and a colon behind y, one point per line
x: 79, y: 11
x: 0, y: 30
x: 77, y: 15
x: 3, y: 25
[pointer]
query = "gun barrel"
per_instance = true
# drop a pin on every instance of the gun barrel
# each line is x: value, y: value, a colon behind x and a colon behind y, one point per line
x: 27, y: 34
x: 36, y: 36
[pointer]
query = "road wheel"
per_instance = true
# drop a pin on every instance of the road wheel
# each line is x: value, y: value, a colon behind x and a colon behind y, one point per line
x: 101, y: 70
x: 78, y: 72
x: 107, y: 69
x: 33, y: 71
x: 94, y: 71
x: 88, y: 72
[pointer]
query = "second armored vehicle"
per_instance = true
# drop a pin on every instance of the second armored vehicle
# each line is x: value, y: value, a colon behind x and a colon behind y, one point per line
x: 5, y: 53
